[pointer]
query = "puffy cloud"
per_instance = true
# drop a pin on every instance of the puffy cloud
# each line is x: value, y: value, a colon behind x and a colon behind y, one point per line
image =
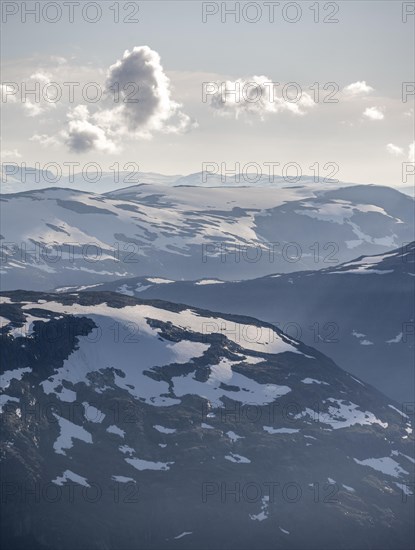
x: 41, y: 104
x: 411, y: 153
x: 140, y: 89
x: 83, y: 135
x: 137, y: 103
x: 256, y: 96
x: 373, y: 113
x: 394, y: 150
x: 358, y: 88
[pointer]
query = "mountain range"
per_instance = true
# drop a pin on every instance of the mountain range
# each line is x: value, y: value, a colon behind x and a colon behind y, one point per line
x: 360, y: 313
x: 190, y: 364
x: 18, y: 177
x: 63, y: 237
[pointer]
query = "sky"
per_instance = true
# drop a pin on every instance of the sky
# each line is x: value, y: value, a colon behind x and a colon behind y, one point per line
x: 185, y: 83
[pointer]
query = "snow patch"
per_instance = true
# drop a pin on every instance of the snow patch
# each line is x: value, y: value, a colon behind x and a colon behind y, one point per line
x: 68, y: 475
x: 233, y: 457
x: 164, y: 430
x: 68, y: 432
x: 386, y: 465
x: 272, y: 430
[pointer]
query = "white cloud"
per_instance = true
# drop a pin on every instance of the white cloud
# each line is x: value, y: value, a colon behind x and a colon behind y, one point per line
x: 41, y: 77
x: 394, y: 150
x: 11, y: 154
x: 373, y: 113
x: 399, y: 152
x: 33, y: 108
x: 59, y: 60
x: 82, y: 135
x: 137, y: 103
x: 45, y: 140
x: 255, y: 96
x: 358, y: 88
x: 37, y: 106
x: 144, y: 104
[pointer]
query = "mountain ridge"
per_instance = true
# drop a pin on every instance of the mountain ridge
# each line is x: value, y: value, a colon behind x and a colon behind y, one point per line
x: 228, y: 233
x: 173, y: 415
x: 360, y: 312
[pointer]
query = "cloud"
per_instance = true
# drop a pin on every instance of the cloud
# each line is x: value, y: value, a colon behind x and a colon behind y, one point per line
x: 82, y: 135
x: 394, y: 150
x: 8, y: 93
x: 144, y: 104
x: 373, y: 113
x: 59, y: 60
x: 45, y: 140
x: 11, y: 154
x: 41, y: 104
x: 137, y: 103
x: 399, y: 152
x: 33, y: 109
x: 41, y: 77
x: 358, y: 88
x: 256, y: 96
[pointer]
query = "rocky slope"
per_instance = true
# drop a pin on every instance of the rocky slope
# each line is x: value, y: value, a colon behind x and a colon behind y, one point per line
x: 133, y: 423
x: 360, y: 313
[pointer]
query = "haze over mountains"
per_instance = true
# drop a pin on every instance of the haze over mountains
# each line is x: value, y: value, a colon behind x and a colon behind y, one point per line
x: 57, y: 237
x: 18, y: 177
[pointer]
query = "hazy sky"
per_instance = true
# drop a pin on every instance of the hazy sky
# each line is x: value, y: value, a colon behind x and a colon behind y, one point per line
x: 171, y: 52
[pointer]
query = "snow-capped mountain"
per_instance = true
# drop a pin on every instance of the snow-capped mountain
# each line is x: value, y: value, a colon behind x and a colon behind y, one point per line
x: 57, y: 237
x: 360, y: 313
x: 259, y: 179
x: 17, y: 178
x: 134, y: 423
